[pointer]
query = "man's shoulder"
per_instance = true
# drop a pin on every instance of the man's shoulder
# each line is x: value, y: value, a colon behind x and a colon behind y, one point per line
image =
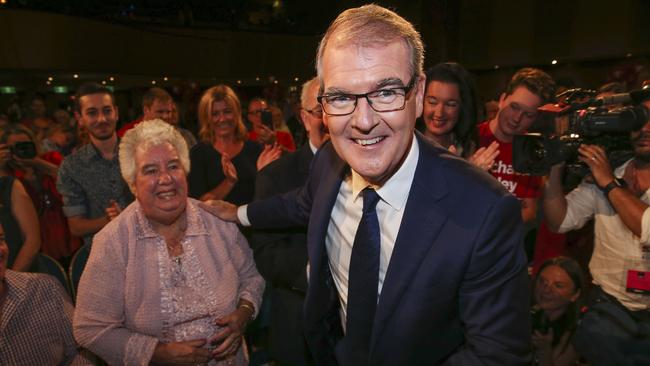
x: 33, y: 283
x: 80, y: 156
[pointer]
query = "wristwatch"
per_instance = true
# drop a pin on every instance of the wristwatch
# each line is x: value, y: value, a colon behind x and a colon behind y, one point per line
x: 616, y: 183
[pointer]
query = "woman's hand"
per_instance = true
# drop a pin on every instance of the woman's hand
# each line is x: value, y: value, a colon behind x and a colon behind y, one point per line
x: 268, y: 155
x: 229, y: 337
x: 181, y: 353
x: 484, y: 157
x: 229, y: 170
x: 265, y: 135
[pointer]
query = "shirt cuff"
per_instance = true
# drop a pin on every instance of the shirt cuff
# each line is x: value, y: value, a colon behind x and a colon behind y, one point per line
x: 242, y: 215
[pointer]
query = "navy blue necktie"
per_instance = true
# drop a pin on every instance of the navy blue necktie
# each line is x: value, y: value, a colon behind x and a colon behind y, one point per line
x: 363, y: 283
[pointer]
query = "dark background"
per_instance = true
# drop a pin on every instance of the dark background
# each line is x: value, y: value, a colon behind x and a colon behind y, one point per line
x: 269, y: 45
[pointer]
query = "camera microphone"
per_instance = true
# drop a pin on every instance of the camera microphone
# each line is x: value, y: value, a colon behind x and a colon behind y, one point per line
x: 619, y: 120
x: 634, y: 97
x: 622, y: 98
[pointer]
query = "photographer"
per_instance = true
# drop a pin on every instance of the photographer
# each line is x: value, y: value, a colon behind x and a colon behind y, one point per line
x: 17, y: 216
x: 617, y: 326
x: 37, y: 172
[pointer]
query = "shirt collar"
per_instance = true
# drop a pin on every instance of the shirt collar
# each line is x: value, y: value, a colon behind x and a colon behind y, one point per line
x: 396, y: 189
x: 312, y: 147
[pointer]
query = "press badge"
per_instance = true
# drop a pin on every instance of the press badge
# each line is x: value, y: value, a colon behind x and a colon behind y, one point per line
x: 638, y: 273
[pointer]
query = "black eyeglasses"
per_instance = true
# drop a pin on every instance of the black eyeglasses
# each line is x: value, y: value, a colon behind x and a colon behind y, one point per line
x: 381, y: 100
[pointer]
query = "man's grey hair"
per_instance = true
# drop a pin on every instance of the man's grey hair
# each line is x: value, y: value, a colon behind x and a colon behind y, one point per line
x: 304, y: 94
x: 371, y: 26
x: 148, y: 134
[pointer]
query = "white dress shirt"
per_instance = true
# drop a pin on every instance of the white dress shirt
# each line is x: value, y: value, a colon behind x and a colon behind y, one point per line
x: 346, y: 216
x: 616, y: 248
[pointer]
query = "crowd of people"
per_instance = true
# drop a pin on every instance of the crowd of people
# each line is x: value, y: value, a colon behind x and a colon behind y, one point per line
x: 350, y: 238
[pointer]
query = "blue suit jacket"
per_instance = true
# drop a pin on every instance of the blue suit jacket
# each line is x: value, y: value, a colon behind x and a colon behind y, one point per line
x: 456, y: 288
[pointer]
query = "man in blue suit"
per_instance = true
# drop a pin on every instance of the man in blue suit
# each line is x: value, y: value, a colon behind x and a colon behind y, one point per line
x: 439, y: 274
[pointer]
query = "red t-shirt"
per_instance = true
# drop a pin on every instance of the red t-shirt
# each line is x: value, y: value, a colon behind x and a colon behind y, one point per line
x: 520, y: 185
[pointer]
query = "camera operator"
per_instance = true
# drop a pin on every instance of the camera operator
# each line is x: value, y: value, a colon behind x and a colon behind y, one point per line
x: 617, y: 326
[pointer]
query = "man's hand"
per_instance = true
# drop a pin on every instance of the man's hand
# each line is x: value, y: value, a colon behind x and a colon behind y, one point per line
x: 113, y: 210
x: 226, y: 211
x: 229, y: 337
x: 596, y: 158
x: 181, y: 353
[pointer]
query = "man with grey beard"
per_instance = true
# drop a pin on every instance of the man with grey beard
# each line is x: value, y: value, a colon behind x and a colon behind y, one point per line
x: 616, y: 329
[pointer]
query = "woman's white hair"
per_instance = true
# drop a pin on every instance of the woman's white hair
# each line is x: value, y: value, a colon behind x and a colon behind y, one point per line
x: 145, y: 135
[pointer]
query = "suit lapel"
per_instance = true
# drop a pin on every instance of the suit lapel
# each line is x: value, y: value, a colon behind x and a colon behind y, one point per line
x: 423, y: 218
x: 329, y: 173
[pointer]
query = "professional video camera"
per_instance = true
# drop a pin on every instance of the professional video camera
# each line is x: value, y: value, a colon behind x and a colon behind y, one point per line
x: 582, y: 119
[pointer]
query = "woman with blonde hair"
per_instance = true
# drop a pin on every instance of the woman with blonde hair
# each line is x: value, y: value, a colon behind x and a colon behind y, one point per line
x: 224, y: 162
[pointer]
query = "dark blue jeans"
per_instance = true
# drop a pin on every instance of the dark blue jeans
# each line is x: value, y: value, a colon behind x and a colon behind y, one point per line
x: 610, y: 334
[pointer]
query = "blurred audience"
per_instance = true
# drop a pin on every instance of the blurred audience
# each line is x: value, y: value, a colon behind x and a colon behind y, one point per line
x: 491, y: 108
x: 38, y: 174
x: 60, y: 138
x: 38, y: 120
x: 157, y: 103
x: 281, y: 255
x: 224, y: 163
x: 166, y: 282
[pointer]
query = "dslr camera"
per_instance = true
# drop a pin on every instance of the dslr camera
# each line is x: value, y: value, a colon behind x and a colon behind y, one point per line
x: 581, y: 119
x: 23, y: 150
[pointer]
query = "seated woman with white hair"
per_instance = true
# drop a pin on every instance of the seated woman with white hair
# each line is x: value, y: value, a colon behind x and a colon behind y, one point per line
x: 166, y: 282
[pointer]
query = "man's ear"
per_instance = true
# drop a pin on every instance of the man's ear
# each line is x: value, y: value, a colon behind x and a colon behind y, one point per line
x: 419, y: 94
x: 502, y: 100
x: 303, y: 118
